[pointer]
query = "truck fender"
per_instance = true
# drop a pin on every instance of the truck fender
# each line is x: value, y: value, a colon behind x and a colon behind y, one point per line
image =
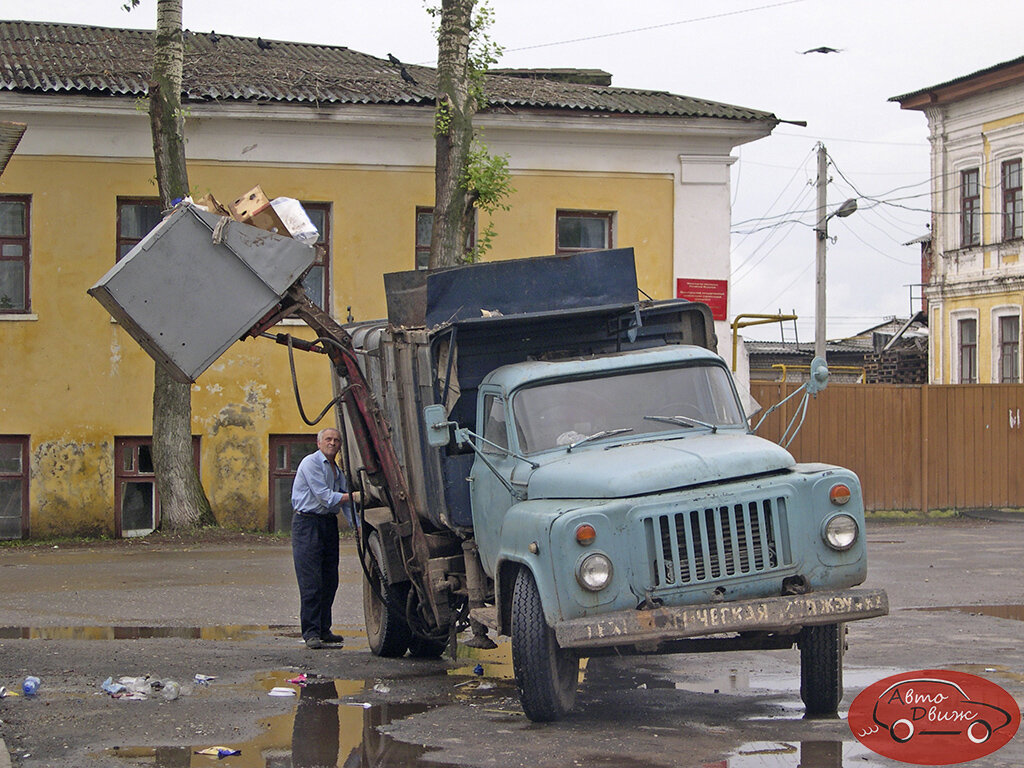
x: 504, y: 585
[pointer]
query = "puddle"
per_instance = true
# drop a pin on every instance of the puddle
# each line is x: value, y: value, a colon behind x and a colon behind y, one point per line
x: 321, y: 730
x: 801, y: 754
x: 739, y: 682
x: 1015, y: 612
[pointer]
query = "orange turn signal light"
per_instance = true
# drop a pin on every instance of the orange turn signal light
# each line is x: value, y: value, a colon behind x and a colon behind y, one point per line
x: 840, y: 494
x: 585, y: 535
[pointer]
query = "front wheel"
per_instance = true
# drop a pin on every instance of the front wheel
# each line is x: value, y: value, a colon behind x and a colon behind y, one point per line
x: 546, y: 674
x: 821, y: 669
x: 387, y: 631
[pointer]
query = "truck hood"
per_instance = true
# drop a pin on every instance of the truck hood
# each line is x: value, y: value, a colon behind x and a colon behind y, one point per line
x: 633, y: 469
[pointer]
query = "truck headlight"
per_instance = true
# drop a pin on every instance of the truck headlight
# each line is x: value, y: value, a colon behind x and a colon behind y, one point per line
x: 594, y: 572
x: 840, y: 532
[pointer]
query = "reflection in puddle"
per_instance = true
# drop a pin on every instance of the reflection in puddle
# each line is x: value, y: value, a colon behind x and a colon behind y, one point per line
x: 320, y: 731
x: 1015, y: 612
x: 803, y: 754
x: 736, y: 681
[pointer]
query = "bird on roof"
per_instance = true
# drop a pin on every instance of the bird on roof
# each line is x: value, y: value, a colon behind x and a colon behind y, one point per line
x: 394, y: 60
x: 213, y: 37
x: 262, y: 44
x: 821, y: 49
x: 407, y: 77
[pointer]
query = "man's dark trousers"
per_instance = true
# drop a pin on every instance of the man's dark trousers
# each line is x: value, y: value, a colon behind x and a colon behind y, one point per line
x: 315, y: 552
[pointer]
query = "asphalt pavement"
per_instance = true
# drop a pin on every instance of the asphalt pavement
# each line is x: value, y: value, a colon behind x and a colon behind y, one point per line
x: 74, y: 615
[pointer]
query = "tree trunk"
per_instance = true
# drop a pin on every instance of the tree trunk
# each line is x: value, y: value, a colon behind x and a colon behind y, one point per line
x: 453, y: 127
x: 183, y: 503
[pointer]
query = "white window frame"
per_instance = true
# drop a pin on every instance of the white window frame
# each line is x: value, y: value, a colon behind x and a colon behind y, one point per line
x: 1007, y: 310
x: 954, y: 341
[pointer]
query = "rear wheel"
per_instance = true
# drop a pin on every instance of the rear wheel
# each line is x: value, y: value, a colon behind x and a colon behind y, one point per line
x: 546, y: 674
x: 821, y: 669
x: 387, y: 631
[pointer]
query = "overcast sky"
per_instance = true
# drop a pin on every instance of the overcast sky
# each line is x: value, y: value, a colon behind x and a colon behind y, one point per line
x: 745, y: 52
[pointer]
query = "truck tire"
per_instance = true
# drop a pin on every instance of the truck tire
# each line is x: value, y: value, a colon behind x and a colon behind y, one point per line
x: 821, y: 669
x: 387, y: 631
x: 546, y: 674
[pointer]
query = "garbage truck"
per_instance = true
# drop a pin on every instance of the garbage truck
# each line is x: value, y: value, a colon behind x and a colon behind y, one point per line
x: 541, y: 455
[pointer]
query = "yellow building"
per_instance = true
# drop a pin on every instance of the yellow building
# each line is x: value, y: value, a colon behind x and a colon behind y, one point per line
x: 974, y: 274
x: 593, y: 166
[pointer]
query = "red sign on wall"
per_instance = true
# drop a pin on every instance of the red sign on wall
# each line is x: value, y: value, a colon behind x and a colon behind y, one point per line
x: 714, y: 293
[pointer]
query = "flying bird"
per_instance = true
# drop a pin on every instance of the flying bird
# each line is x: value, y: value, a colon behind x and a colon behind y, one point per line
x: 821, y: 49
x: 262, y: 44
x: 407, y: 77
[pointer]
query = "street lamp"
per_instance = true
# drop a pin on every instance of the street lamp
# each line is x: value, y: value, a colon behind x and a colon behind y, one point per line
x: 821, y: 230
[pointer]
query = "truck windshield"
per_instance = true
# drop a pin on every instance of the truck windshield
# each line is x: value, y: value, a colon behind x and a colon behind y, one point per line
x: 561, y: 413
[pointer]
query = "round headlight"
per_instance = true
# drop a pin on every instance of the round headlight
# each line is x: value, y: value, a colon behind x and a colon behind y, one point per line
x: 841, y: 532
x: 594, y: 572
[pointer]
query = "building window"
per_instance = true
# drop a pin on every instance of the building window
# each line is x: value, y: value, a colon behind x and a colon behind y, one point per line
x: 577, y: 231
x: 136, y: 216
x: 136, y: 502
x: 286, y: 451
x: 13, y: 487
x: 317, y: 282
x: 1009, y: 349
x: 967, y: 333
x: 14, y: 254
x: 424, y: 228
x: 970, y: 208
x: 1013, y: 215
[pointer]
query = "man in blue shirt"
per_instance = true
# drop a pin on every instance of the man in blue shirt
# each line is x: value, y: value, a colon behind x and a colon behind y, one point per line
x: 319, y: 492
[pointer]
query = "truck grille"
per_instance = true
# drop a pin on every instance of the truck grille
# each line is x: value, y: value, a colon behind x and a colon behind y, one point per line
x: 715, y: 542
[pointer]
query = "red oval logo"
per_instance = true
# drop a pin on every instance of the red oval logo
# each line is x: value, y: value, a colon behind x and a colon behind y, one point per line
x: 934, y: 717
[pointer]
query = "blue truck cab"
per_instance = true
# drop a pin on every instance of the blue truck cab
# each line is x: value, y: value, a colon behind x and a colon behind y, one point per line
x: 589, y: 483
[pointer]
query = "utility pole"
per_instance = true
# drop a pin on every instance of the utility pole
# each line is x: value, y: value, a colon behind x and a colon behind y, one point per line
x: 821, y: 235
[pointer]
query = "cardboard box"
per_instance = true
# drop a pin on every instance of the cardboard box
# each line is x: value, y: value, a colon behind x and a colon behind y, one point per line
x: 254, y: 208
x: 212, y: 204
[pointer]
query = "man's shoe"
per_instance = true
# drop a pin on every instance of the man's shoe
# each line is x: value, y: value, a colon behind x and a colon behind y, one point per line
x: 332, y: 638
x: 314, y: 643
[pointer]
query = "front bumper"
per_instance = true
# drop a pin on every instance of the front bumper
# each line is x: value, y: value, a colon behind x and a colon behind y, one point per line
x: 772, y: 614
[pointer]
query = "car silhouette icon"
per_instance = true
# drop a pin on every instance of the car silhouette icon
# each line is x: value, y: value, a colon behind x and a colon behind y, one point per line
x: 927, y: 706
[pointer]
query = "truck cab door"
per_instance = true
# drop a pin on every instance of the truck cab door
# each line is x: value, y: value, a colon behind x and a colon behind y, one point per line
x: 489, y: 496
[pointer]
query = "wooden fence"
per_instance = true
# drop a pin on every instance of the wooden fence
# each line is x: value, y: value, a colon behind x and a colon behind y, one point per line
x: 913, y: 447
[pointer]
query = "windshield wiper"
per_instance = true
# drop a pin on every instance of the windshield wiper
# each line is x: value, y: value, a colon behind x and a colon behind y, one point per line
x: 684, y: 421
x: 597, y: 436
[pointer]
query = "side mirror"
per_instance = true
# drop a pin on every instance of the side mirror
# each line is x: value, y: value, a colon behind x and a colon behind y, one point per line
x: 436, y: 421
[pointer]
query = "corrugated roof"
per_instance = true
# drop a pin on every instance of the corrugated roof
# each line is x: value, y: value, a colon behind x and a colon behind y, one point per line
x: 961, y: 79
x: 68, y: 58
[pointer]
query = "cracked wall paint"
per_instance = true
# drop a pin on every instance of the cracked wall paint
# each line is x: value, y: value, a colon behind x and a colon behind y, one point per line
x: 72, y: 488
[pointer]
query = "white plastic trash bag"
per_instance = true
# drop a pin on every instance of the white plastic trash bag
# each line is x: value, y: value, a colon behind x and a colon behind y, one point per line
x: 295, y: 218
